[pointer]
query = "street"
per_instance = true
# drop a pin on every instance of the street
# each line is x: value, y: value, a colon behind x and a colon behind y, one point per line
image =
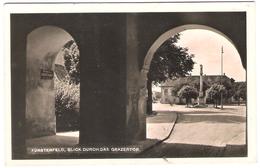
x: 204, y: 132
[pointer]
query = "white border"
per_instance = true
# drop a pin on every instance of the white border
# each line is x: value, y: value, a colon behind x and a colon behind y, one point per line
x: 140, y: 7
x: 126, y: 7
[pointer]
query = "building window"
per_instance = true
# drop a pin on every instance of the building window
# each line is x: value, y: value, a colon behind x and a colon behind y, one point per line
x: 172, y: 93
x: 165, y: 91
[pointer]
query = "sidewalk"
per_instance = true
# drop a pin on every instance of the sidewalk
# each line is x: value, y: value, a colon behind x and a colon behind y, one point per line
x: 158, y: 127
x: 68, y: 139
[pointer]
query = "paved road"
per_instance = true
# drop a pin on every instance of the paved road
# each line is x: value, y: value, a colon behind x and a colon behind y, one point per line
x: 204, y: 132
x: 159, y: 126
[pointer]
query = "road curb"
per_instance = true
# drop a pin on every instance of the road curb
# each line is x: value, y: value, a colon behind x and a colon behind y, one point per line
x: 160, y: 141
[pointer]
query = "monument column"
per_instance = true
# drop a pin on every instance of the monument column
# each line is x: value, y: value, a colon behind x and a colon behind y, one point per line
x: 200, y: 99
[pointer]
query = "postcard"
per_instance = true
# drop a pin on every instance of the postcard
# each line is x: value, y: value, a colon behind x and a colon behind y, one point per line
x: 131, y: 81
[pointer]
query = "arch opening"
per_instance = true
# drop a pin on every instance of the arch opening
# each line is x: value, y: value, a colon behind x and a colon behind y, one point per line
x: 173, y: 99
x: 52, y: 96
x: 162, y: 38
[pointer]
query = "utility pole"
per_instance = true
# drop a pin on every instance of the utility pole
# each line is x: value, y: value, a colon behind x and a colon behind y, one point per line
x: 221, y: 94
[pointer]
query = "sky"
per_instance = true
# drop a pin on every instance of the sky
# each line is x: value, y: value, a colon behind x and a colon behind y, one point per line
x: 206, y: 46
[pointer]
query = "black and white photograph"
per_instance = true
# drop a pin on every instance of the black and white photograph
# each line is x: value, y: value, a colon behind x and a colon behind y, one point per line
x: 131, y: 84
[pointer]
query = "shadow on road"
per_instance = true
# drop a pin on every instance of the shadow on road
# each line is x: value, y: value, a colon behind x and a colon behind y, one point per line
x: 52, y: 141
x: 185, y: 118
x: 201, y: 112
x: 162, y: 117
x: 196, y: 116
x: 178, y: 150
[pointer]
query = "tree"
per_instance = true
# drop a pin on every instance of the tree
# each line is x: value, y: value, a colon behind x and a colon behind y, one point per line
x: 228, y: 84
x: 214, y: 93
x: 240, y: 91
x: 169, y: 61
x: 188, y: 92
x: 71, y: 61
x: 188, y: 80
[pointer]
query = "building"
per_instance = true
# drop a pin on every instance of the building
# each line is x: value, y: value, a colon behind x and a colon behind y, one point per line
x: 170, y: 88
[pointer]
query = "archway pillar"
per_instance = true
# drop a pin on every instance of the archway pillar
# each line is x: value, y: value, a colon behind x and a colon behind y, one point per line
x: 43, y: 45
x: 136, y: 85
x: 112, y: 93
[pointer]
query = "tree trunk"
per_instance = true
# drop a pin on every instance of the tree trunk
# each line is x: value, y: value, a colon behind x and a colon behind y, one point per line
x: 150, y: 98
x: 187, y: 102
x: 238, y: 102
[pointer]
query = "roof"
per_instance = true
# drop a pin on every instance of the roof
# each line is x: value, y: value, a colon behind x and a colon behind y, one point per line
x: 193, y: 79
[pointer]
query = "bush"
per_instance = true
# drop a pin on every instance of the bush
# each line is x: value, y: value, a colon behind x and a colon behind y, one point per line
x: 67, y: 99
x: 71, y: 61
x: 214, y: 93
x: 188, y: 92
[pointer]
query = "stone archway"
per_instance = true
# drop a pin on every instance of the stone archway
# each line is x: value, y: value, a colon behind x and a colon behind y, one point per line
x: 150, y: 53
x: 43, y: 45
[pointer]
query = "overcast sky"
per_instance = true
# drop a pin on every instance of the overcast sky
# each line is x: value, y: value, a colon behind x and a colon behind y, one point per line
x: 206, y: 46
